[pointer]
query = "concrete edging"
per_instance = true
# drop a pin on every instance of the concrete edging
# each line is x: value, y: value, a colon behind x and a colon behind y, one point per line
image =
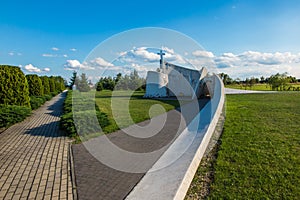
x: 172, y: 182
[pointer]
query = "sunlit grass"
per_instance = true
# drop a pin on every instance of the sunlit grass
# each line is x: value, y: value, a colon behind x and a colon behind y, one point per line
x: 258, y: 87
x: 259, y: 154
x: 138, y: 108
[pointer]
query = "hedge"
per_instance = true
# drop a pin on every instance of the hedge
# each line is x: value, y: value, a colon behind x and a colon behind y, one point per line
x: 84, y: 116
x: 13, y: 86
x: 35, y: 85
x: 18, y: 90
x: 36, y: 101
x: 10, y: 115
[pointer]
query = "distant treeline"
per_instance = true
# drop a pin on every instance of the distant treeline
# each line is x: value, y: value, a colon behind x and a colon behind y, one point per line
x: 127, y: 82
x: 276, y: 82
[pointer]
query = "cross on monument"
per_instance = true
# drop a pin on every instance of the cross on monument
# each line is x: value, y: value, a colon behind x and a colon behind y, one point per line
x: 161, y: 53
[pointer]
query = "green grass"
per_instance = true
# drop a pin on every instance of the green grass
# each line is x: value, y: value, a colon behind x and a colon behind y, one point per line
x: 138, y: 108
x: 258, y: 87
x: 259, y: 156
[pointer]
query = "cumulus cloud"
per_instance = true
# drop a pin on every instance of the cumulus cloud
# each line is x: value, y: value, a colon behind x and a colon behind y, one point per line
x: 168, y: 50
x: 144, y: 54
x: 73, y: 65
x: 31, y: 68
x: 100, y: 63
x: 73, y: 49
x: 202, y: 53
x: 97, y: 63
x: 149, y: 55
x: 254, y: 63
x: 55, y: 49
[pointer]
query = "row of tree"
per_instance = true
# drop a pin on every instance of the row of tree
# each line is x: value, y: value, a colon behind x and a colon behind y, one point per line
x: 16, y: 88
x: 128, y: 82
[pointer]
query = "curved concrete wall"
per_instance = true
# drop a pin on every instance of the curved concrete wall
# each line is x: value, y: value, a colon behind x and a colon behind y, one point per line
x: 172, y: 182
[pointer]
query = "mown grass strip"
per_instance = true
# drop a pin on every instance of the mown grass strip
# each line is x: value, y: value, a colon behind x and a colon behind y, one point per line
x: 259, y: 153
x: 138, y: 108
x: 260, y: 87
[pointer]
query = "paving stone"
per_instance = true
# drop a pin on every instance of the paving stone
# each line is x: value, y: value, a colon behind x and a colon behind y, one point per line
x: 29, y: 152
x: 94, y: 180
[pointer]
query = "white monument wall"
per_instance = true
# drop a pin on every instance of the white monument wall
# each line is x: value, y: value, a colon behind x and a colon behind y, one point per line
x: 156, y: 84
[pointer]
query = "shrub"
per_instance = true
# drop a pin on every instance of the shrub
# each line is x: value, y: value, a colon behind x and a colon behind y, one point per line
x: 47, y: 97
x: 36, y: 102
x: 83, y: 117
x: 13, y: 86
x: 84, y: 123
x: 11, y: 114
x: 35, y: 85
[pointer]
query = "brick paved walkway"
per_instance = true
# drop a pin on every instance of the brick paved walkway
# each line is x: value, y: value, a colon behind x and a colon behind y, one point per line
x: 34, y: 157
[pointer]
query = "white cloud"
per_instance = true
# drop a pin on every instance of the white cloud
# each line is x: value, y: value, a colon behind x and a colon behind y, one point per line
x: 75, y: 64
x: 144, y: 54
x: 46, y: 69
x: 253, y: 63
x: 72, y: 65
x: 100, y: 63
x: 149, y: 55
x: 48, y: 55
x: 55, y: 48
x: 12, y: 53
x: 31, y: 68
x: 201, y: 53
x: 168, y: 50
x: 142, y: 70
x: 73, y: 49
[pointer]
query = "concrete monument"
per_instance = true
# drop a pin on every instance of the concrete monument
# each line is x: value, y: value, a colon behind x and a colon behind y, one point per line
x: 173, y: 80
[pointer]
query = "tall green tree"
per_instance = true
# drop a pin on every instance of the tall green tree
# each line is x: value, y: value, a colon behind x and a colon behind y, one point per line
x: 73, y: 79
x: 52, y: 84
x: 14, y: 88
x: 83, y: 84
x: 35, y: 85
x: 45, y: 83
x: 279, y: 81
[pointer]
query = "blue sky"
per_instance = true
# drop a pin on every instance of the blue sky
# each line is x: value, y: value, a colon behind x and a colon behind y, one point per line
x: 45, y: 35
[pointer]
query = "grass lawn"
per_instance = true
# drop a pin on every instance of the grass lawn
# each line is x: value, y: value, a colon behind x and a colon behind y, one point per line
x: 259, y: 87
x: 259, y: 155
x: 138, y: 108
